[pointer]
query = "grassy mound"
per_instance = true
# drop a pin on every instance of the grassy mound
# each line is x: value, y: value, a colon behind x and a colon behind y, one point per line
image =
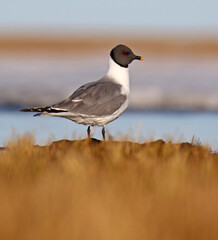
x: 108, y: 190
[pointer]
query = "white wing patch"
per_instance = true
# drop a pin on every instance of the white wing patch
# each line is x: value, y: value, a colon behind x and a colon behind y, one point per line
x: 76, y: 100
x: 58, y: 109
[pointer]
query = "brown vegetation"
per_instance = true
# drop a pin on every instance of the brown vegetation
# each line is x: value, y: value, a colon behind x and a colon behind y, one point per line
x: 198, y: 46
x: 108, y: 190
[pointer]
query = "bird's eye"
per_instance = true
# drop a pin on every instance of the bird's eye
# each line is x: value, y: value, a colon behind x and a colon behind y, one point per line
x: 125, y: 53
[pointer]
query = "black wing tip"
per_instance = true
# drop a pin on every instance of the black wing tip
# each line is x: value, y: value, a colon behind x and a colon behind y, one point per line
x: 32, y: 109
x: 26, y: 110
x: 43, y: 109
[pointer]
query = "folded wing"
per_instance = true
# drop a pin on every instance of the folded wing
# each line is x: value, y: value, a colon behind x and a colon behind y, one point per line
x: 97, y: 98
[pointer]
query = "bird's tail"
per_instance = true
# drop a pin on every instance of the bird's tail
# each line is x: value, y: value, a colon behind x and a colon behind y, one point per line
x: 43, y: 110
x: 37, y: 109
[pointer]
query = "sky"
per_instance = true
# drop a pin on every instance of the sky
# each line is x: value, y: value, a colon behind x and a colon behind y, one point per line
x: 154, y: 15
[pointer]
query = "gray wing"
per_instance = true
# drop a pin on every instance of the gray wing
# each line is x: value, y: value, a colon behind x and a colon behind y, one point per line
x: 99, y: 98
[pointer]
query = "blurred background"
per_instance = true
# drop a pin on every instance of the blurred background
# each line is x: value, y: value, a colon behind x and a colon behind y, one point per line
x: 49, y: 48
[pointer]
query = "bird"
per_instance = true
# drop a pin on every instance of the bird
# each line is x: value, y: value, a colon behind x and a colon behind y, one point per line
x: 99, y: 102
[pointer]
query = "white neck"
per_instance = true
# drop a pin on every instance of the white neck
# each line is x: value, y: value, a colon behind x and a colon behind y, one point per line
x: 119, y: 74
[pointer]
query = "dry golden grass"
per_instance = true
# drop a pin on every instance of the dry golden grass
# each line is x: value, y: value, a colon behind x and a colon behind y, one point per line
x: 108, y: 190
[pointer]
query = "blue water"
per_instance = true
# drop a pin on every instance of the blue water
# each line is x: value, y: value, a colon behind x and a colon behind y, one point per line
x: 138, y: 126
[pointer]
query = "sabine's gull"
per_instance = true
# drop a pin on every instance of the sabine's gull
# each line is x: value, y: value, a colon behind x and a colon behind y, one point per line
x: 100, y: 102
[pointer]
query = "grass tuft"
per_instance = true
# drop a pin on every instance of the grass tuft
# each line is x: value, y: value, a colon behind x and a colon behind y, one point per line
x: 88, y: 189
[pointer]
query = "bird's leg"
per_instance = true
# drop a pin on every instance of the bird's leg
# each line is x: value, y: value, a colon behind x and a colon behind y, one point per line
x: 103, y: 133
x: 88, y: 131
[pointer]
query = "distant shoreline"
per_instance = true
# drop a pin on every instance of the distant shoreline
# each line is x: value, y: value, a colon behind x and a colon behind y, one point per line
x: 193, y: 46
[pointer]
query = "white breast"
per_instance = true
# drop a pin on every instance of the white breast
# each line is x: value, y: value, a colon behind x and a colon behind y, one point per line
x: 119, y: 75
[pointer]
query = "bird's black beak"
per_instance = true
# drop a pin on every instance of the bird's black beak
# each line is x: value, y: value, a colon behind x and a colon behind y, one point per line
x: 139, y: 58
